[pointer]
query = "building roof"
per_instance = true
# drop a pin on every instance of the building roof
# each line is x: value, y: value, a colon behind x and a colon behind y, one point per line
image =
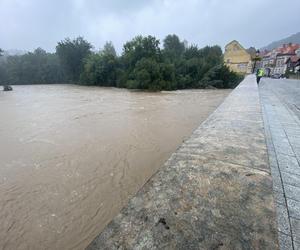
x: 285, y: 49
x: 285, y: 54
x: 288, y: 48
x: 264, y: 52
x: 235, y: 41
x: 295, y: 59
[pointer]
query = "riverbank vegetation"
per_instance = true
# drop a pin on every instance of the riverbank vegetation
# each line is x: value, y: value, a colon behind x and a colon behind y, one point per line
x: 145, y: 63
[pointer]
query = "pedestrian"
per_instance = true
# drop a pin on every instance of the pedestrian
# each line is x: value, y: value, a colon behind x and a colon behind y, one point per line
x: 259, y: 74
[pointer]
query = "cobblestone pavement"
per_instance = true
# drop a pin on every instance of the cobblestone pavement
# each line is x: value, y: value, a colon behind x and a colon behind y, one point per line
x: 280, y: 101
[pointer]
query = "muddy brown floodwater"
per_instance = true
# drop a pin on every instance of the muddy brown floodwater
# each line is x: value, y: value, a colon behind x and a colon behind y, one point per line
x: 72, y: 156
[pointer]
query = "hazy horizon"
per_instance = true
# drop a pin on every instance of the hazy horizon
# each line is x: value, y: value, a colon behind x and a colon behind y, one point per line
x: 30, y: 24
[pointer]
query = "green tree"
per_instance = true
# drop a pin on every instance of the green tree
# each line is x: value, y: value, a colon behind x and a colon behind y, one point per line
x: 146, y: 75
x: 144, y: 49
x: 36, y: 67
x: 1, y: 52
x: 195, y: 64
x: 101, y: 68
x: 138, y: 48
x: 109, y: 49
x: 142, y: 65
x: 173, y: 48
x: 220, y: 76
x: 192, y: 52
x: 151, y: 75
x: 72, y: 54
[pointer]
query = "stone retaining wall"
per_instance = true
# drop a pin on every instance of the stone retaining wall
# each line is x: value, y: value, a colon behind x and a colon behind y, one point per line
x: 215, y: 192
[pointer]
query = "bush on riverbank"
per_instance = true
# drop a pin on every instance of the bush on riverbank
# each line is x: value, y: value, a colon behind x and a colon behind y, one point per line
x: 143, y: 64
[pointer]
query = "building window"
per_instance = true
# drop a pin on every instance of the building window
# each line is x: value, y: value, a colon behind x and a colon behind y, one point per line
x: 242, y: 66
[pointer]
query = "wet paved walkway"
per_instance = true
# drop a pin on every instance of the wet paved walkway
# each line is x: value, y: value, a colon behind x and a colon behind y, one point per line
x: 280, y: 101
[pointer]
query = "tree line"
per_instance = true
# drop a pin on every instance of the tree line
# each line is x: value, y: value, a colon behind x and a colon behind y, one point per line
x: 145, y: 63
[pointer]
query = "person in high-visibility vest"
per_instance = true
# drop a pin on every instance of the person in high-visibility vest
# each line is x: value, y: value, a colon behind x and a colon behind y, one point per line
x: 259, y: 74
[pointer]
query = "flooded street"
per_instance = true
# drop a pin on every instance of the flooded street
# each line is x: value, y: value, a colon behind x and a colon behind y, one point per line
x: 71, y: 156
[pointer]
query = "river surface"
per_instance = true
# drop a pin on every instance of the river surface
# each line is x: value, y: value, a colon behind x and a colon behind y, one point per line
x: 72, y: 156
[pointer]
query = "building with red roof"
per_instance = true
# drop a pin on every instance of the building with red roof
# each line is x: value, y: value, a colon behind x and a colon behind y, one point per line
x: 293, y: 64
x: 275, y: 61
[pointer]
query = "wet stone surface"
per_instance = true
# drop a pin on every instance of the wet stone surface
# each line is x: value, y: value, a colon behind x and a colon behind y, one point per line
x: 215, y: 192
x: 280, y: 103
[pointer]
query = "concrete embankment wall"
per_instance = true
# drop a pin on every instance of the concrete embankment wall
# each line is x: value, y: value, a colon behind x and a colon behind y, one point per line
x: 215, y: 192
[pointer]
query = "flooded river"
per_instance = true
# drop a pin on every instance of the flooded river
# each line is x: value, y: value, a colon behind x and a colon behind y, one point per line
x: 71, y: 156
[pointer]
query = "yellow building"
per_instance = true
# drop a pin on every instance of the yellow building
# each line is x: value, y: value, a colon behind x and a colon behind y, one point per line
x: 237, y: 58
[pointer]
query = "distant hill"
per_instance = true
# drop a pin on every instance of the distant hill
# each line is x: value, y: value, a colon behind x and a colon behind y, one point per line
x: 291, y: 39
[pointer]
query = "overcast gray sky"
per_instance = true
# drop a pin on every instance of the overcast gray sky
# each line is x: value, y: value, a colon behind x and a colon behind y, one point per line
x: 28, y: 24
